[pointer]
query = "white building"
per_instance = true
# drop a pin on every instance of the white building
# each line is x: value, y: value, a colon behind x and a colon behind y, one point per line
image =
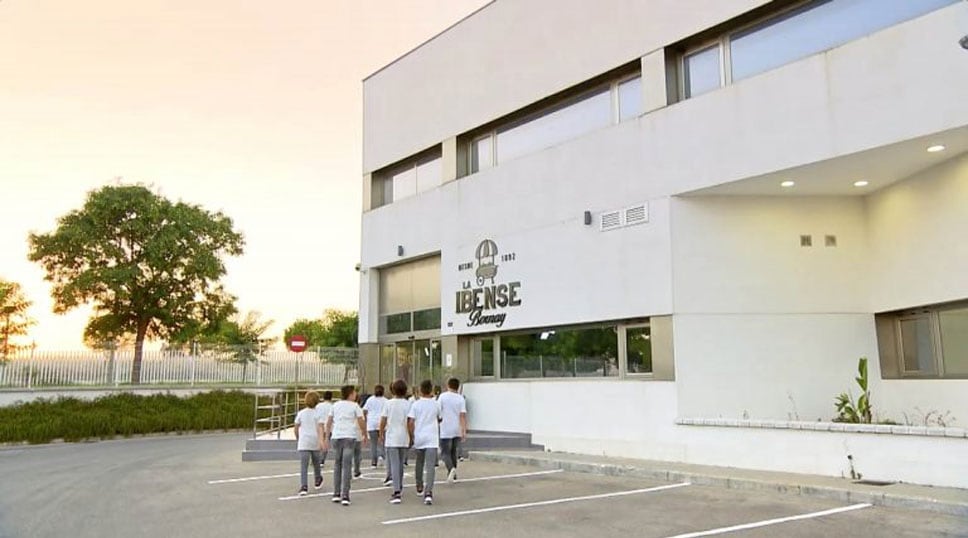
x: 669, y: 230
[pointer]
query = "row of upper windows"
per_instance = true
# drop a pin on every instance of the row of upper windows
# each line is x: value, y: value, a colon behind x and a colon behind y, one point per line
x: 779, y: 38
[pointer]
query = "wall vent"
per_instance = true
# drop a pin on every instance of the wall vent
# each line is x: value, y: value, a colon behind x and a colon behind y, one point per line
x: 636, y: 215
x: 806, y: 240
x: 611, y: 220
x: 830, y: 241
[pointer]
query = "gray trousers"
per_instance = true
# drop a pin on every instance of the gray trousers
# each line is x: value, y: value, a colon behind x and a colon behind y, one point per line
x: 357, y: 457
x: 304, y: 458
x: 426, y: 464
x: 376, y: 448
x: 450, y: 449
x: 394, y: 461
x: 343, y: 466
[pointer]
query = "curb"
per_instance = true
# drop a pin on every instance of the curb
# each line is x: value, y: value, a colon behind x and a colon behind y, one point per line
x: 845, y: 495
x: 120, y: 438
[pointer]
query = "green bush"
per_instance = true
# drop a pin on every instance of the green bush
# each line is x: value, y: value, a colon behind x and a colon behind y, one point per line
x: 42, y: 421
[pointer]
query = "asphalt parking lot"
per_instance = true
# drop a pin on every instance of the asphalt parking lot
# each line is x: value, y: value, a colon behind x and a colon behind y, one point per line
x: 197, y: 486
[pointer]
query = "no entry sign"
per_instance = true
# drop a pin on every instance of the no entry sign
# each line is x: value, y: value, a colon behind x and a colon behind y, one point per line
x: 298, y: 343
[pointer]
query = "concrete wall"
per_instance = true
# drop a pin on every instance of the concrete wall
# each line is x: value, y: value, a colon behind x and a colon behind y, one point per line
x: 917, y: 238
x: 11, y: 397
x: 459, y: 80
x: 636, y: 420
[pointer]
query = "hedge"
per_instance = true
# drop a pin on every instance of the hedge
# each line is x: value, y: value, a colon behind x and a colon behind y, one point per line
x: 71, y: 419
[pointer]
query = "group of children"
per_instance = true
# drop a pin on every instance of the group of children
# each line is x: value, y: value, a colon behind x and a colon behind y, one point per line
x: 431, y: 426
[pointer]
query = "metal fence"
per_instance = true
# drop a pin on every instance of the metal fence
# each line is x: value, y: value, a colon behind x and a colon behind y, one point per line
x: 323, y: 366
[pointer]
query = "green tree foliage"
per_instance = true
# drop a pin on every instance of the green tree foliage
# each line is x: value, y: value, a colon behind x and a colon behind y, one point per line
x: 337, y: 328
x: 242, y: 339
x: 150, y: 267
x: 13, y: 317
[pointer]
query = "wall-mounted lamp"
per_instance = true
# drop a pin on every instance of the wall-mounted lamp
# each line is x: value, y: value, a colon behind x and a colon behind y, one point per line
x: 358, y: 267
x: 588, y: 218
x: 399, y: 250
x: 964, y: 42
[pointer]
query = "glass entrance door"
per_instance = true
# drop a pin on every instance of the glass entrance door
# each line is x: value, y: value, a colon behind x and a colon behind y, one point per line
x: 413, y: 361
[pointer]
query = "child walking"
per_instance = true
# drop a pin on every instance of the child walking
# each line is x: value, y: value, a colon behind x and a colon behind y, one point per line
x: 453, y: 426
x: 395, y: 434
x: 309, y: 442
x: 372, y: 411
x: 423, y: 423
x: 345, y: 423
x: 323, y: 410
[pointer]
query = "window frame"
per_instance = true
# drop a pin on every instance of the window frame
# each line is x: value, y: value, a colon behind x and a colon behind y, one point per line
x: 611, y: 85
x: 723, y: 39
x: 620, y: 328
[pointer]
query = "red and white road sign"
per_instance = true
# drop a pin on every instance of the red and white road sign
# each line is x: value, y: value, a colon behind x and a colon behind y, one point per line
x: 298, y: 343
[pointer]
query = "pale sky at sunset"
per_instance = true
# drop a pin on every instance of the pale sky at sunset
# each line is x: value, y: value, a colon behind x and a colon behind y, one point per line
x: 253, y: 108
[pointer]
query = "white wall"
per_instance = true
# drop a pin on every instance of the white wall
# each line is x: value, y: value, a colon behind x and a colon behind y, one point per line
x: 917, y: 236
x: 743, y: 255
x: 459, y: 80
x: 636, y: 420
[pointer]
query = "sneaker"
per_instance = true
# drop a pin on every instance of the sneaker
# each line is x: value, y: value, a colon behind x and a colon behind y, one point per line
x: 357, y: 474
x: 303, y: 491
x: 319, y: 483
x: 429, y: 499
x: 345, y: 501
x: 396, y: 498
x: 372, y: 465
x: 388, y: 482
x: 452, y: 475
x: 379, y: 461
x: 336, y: 498
x: 419, y: 490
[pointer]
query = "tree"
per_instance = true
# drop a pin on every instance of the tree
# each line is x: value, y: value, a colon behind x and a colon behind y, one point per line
x: 241, y: 337
x: 150, y: 267
x: 13, y: 317
x: 337, y: 328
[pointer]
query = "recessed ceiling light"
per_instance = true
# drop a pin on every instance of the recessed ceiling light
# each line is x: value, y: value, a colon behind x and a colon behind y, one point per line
x: 788, y: 183
x: 861, y: 183
x: 936, y: 148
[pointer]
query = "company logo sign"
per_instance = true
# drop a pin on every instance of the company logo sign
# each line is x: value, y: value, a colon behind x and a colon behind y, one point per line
x: 484, y: 298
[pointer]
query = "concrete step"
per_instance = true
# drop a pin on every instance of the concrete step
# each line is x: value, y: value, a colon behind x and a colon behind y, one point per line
x: 285, y: 449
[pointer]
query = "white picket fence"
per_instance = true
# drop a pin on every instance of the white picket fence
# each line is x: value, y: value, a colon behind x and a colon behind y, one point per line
x: 324, y: 366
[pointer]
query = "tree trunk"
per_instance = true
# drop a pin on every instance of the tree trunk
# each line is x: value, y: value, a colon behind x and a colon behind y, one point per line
x: 139, y: 344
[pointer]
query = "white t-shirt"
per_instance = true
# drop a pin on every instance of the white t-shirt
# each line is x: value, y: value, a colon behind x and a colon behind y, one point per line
x: 374, y: 407
x: 395, y: 411
x: 451, y: 406
x: 306, y: 421
x: 425, y: 412
x: 345, y: 413
x: 323, y: 410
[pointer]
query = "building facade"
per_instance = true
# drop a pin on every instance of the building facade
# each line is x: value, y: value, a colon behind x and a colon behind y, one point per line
x: 670, y: 230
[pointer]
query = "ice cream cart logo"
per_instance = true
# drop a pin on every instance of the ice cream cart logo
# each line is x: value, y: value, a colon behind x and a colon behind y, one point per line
x: 482, y: 297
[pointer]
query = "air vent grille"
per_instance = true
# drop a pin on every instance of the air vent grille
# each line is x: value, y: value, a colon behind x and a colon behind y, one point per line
x: 611, y: 220
x: 636, y: 215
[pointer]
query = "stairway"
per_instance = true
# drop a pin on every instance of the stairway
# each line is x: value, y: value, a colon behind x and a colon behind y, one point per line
x: 285, y: 449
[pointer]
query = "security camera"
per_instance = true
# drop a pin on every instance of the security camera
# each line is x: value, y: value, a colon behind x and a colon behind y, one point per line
x: 964, y: 42
x: 358, y: 267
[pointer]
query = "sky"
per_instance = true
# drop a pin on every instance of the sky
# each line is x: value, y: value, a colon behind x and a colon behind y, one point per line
x: 251, y: 108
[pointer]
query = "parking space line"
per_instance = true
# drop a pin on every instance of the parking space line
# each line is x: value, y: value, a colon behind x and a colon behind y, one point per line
x: 768, y: 522
x: 251, y: 478
x: 533, y: 504
x: 461, y: 481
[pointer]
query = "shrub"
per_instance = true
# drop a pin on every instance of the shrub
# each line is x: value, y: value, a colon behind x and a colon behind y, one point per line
x: 70, y: 419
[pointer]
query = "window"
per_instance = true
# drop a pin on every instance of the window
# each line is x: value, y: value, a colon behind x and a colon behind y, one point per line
x: 954, y: 340
x: 805, y: 30
x: 701, y: 71
x: 413, y: 176
x: 638, y: 350
x: 482, y: 353
x: 599, y: 107
x: 927, y: 342
x: 409, y: 299
x: 591, y: 352
x: 426, y: 320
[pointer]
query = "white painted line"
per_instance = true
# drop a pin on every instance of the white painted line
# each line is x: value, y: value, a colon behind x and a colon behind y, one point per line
x: 251, y: 478
x: 765, y: 523
x: 533, y: 504
x: 461, y: 481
